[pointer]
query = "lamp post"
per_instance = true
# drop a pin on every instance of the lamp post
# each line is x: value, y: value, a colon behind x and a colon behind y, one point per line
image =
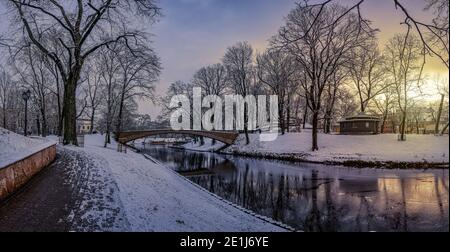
x: 26, y: 96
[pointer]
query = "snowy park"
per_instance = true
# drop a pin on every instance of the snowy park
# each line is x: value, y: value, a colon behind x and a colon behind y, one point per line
x: 224, y: 116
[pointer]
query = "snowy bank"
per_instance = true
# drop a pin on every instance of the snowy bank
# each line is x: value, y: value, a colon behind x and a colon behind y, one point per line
x: 15, y: 147
x: 154, y: 198
x: 342, y: 149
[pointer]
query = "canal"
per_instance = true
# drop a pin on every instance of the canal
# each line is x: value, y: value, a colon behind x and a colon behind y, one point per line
x: 314, y: 197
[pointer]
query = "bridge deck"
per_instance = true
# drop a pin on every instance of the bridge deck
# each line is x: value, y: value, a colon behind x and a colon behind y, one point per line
x: 221, y: 136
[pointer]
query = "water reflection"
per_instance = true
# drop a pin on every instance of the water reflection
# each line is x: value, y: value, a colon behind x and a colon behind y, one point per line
x: 321, y: 198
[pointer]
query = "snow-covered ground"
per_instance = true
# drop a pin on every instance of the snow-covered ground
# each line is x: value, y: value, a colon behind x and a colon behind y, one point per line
x: 14, y: 147
x: 338, y: 148
x: 155, y: 198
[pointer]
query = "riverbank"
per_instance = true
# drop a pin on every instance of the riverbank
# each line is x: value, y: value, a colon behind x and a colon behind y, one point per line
x: 153, y: 198
x: 377, y: 151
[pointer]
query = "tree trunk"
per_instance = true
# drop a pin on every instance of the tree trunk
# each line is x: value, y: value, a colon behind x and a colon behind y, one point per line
x: 70, y: 116
x: 403, y: 127
x: 44, y: 122
x: 247, y: 138
x: 38, y: 125
x: 92, y: 120
x: 4, y: 116
x: 108, y: 126
x: 315, y: 122
x: 305, y: 115
x: 444, y: 129
x: 107, y: 137
x: 383, y: 123
x: 328, y: 122
x: 281, y: 117
x: 438, y: 119
x: 363, y: 108
x: 288, y: 116
x: 119, y: 119
x: 60, y: 115
x: 417, y: 127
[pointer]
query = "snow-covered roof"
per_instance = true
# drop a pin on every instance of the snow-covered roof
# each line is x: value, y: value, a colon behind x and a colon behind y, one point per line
x: 362, y: 117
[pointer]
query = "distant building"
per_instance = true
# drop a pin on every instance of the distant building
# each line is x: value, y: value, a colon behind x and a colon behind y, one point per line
x: 361, y: 124
x: 84, y: 126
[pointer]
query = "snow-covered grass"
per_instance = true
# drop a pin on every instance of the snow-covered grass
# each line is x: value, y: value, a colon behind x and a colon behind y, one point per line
x: 155, y: 198
x: 15, y: 147
x: 339, y: 148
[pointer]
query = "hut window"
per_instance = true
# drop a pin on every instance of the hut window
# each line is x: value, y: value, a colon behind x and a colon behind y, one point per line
x: 367, y: 125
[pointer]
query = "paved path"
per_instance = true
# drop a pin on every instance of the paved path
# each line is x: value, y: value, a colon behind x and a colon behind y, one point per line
x: 69, y: 195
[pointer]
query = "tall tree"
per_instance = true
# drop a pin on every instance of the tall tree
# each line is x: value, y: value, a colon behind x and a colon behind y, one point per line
x: 212, y: 79
x: 321, y: 37
x: 138, y: 76
x: 404, y: 54
x: 81, y: 28
x: 238, y: 61
x: 110, y: 80
x: 367, y: 73
x: 33, y: 70
x: 276, y: 70
x: 6, y: 88
x: 93, y: 88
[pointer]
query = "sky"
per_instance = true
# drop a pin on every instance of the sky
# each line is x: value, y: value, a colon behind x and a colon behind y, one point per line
x: 196, y: 33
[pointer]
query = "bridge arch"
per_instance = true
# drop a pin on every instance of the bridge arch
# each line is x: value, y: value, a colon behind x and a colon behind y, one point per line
x: 222, y: 136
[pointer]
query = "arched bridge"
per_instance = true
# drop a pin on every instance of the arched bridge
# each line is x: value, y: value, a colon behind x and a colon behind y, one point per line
x: 222, y: 136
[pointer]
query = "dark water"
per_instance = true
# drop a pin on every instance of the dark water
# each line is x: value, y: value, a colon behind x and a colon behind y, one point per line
x: 313, y: 197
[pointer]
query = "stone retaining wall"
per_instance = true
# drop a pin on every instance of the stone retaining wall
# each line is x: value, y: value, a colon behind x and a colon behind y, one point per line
x: 15, y: 175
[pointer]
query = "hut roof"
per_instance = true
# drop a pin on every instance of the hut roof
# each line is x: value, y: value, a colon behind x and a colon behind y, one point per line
x: 362, y: 117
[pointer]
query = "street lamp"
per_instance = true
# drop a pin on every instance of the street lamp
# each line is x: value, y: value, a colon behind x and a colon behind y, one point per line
x: 26, y: 96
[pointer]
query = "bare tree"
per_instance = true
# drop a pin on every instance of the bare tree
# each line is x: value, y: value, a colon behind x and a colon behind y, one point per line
x: 442, y: 88
x: 138, y: 76
x: 81, y: 29
x: 332, y: 92
x: 367, y: 73
x: 276, y: 70
x: 6, y: 88
x: 110, y: 77
x: 212, y: 79
x: 434, y: 35
x: 32, y: 69
x: 238, y: 61
x: 93, y: 88
x: 320, y: 38
x: 384, y: 104
x: 404, y: 53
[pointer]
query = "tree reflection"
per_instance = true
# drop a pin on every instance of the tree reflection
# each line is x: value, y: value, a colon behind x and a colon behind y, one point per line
x: 310, y: 200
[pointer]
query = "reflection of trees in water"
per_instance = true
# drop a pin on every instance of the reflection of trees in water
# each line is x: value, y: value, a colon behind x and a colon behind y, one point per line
x: 307, y: 200
x: 290, y: 199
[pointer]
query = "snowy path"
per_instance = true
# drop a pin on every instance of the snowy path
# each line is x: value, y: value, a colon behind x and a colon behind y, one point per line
x: 156, y: 199
x: 69, y: 195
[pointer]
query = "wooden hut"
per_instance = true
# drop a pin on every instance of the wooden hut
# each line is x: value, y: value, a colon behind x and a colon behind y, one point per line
x: 361, y: 124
